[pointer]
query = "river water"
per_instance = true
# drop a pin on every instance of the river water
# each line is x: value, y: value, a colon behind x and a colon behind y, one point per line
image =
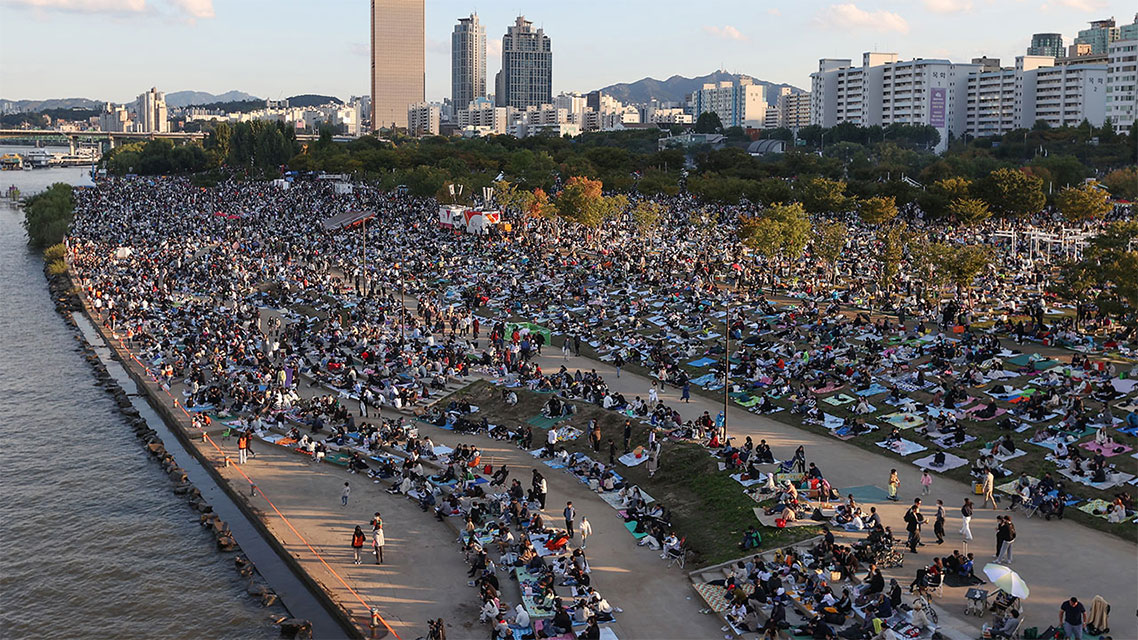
x: 95, y: 543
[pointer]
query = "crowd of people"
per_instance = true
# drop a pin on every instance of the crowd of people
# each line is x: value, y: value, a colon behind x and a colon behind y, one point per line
x: 238, y: 291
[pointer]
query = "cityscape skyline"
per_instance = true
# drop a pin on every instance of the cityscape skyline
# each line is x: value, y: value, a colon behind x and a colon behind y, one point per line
x: 737, y: 37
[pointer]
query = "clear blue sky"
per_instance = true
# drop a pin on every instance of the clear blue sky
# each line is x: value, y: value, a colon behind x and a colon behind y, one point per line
x: 115, y: 49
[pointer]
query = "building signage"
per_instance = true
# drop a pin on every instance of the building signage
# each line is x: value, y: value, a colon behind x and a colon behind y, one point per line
x: 936, y: 108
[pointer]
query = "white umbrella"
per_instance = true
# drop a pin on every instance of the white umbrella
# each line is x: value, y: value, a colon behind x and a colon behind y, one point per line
x: 1007, y: 580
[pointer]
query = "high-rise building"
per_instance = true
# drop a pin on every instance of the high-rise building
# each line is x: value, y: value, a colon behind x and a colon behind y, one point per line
x: 114, y: 118
x: 794, y: 110
x: 151, y: 108
x: 526, y: 78
x: 1099, y: 36
x: 1046, y: 44
x: 995, y: 103
x: 468, y: 62
x: 738, y: 104
x: 423, y: 119
x: 1065, y: 95
x: 885, y: 91
x: 1122, y: 84
x: 1129, y: 31
x: 398, y: 50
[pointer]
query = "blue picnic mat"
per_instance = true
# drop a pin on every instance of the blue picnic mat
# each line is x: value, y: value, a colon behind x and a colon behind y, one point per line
x: 867, y: 493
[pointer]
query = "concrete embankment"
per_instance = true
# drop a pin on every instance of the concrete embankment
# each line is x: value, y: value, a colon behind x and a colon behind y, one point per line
x: 298, y: 603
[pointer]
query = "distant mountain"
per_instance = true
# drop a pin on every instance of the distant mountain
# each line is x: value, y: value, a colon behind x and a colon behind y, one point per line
x: 677, y: 88
x: 312, y: 100
x: 187, y: 98
x: 25, y: 106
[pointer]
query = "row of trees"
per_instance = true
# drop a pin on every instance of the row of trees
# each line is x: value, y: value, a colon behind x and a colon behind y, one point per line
x: 257, y: 145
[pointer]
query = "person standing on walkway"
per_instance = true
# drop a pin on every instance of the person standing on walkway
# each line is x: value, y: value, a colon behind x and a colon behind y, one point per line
x: 894, y: 484
x: 926, y: 483
x: 586, y: 531
x: 596, y: 435
x: 357, y: 542
x: 685, y: 392
x: 966, y: 517
x: 566, y: 348
x: 577, y: 345
x: 938, y: 522
x: 800, y: 459
x: 1005, y: 553
x: 540, y: 488
x: 1072, y: 615
x: 1001, y: 535
x: 653, y: 461
x: 987, y: 487
x: 570, y: 515
x: 653, y: 395
x: 618, y: 362
x: 243, y: 448
x: 612, y: 452
x: 377, y: 540
x: 627, y: 436
x: 344, y: 495
x: 913, y: 520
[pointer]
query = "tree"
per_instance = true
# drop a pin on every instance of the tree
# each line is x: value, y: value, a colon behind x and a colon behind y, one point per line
x: 942, y: 192
x: 708, y: 122
x: 48, y: 214
x: 646, y: 215
x: 877, y: 210
x: 1083, y: 202
x: 822, y: 195
x: 829, y: 243
x: 1010, y: 192
x: 969, y: 211
x: 583, y: 202
x: 959, y: 265
x: 1107, y: 272
x: 781, y: 231
x: 538, y: 204
x: 890, y: 252
x: 1122, y: 183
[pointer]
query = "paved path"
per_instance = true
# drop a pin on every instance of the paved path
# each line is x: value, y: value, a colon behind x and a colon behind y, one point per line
x: 1057, y: 559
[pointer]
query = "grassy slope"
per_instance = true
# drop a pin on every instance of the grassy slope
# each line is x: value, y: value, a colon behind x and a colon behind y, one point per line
x: 707, y: 505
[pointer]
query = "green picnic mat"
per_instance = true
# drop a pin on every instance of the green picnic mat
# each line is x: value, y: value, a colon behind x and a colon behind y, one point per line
x: 631, y: 526
x: 542, y: 422
x: 335, y: 457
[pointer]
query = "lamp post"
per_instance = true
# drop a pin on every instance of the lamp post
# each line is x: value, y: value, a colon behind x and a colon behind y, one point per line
x: 726, y: 361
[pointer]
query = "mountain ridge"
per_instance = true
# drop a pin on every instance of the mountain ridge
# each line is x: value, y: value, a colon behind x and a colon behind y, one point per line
x: 676, y: 88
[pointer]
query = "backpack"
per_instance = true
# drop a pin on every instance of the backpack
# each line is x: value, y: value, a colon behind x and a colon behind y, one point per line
x: 817, y: 515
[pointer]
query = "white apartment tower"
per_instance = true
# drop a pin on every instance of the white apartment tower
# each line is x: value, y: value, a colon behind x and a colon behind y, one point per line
x: 423, y: 119
x: 738, y: 104
x: 1122, y: 84
x: 151, y: 108
x: 468, y: 61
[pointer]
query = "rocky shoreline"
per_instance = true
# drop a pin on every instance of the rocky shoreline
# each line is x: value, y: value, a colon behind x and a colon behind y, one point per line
x: 67, y: 302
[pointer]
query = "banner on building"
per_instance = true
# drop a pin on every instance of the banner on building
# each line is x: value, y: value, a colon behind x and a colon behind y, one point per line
x: 937, y: 99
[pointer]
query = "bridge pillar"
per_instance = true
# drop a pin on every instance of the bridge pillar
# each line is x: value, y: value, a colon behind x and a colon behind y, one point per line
x: 112, y: 139
x: 71, y: 144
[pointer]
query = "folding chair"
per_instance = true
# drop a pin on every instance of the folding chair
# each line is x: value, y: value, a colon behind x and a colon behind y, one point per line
x: 679, y: 554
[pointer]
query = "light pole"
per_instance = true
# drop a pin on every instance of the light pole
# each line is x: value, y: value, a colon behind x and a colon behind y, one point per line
x: 726, y: 361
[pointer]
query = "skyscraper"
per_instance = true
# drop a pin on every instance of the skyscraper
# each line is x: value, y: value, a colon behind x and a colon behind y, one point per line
x: 468, y: 62
x: 526, y: 78
x: 1046, y: 44
x: 398, y: 48
x: 1099, y: 36
x: 151, y: 107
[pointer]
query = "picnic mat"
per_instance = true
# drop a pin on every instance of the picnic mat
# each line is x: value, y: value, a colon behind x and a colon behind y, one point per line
x: 950, y: 462
x: 542, y: 422
x: 1108, y: 451
x: 716, y: 596
x: 631, y: 526
x: 769, y: 521
x: 903, y: 447
x: 867, y: 493
x: 630, y: 459
x: 903, y: 420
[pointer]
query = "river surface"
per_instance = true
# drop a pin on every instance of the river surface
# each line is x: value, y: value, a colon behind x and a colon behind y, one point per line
x: 95, y: 543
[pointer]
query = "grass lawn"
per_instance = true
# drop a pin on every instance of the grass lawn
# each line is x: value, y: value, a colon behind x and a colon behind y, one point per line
x: 708, y: 507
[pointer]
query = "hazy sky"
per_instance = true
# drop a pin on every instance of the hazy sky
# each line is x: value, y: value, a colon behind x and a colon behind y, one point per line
x: 116, y: 49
